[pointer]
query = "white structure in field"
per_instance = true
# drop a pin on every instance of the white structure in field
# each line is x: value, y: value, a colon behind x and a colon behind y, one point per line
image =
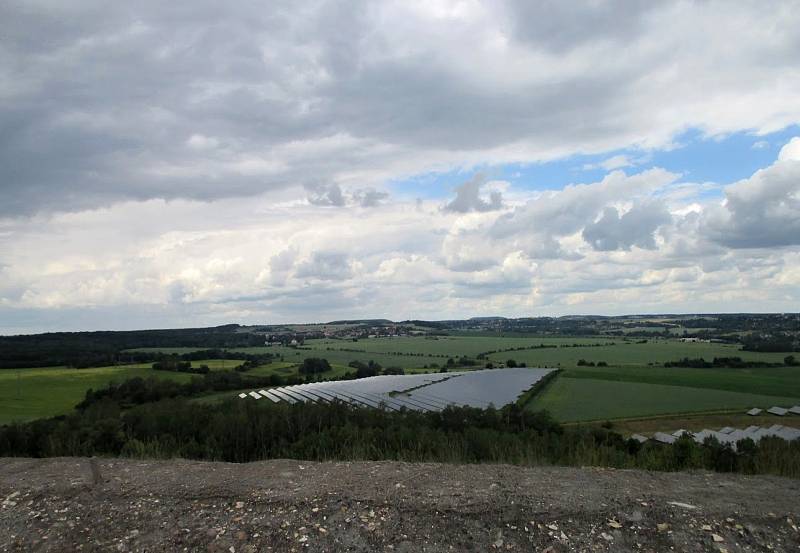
x: 728, y: 435
x: 664, y: 438
x: 780, y: 411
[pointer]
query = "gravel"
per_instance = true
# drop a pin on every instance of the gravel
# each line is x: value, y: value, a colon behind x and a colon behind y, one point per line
x: 76, y: 504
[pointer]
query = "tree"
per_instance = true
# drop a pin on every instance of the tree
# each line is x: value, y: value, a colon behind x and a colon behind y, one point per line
x: 365, y: 370
x: 313, y: 365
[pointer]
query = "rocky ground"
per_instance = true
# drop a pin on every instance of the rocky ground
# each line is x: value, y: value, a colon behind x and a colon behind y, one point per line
x: 124, y: 505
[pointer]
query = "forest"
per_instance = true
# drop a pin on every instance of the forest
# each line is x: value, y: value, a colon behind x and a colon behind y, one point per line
x: 95, y: 349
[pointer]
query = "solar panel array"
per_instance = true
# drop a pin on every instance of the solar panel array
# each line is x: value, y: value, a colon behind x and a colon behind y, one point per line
x: 417, y: 392
x: 728, y: 435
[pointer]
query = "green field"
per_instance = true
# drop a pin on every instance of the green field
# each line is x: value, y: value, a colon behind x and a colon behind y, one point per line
x: 774, y: 381
x: 582, y: 399
x: 27, y: 394
x: 218, y: 364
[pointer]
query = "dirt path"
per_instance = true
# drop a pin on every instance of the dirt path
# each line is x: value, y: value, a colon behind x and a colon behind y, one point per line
x: 123, y: 505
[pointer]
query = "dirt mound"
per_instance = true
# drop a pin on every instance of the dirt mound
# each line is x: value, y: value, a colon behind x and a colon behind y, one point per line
x: 124, y: 505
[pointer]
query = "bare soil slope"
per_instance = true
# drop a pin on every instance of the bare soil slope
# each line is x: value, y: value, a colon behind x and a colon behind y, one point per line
x: 124, y: 505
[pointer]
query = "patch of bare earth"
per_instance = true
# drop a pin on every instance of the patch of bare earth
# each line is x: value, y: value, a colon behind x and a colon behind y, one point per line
x: 123, y: 505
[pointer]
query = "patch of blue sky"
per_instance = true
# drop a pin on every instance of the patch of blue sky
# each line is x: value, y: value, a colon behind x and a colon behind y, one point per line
x: 433, y: 185
x: 722, y: 160
x: 695, y: 156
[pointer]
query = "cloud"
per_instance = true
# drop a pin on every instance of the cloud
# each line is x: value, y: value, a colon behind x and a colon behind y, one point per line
x: 327, y: 195
x: 602, y: 247
x: 369, y: 197
x: 764, y: 210
x: 332, y: 195
x: 175, y: 166
x: 325, y: 266
x: 790, y: 151
x: 615, y: 162
x: 568, y: 211
x: 103, y: 103
x: 201, y: 142
x: 468, y: 197
x: 635, y: 227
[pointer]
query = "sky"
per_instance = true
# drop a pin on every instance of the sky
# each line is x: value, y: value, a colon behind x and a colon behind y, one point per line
x: 181, y: 165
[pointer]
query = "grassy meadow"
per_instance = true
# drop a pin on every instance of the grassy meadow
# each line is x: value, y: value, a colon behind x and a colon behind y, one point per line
x: 27, y: 394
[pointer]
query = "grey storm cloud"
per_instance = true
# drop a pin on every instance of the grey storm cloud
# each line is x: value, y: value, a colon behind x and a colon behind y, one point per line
x: 468, y: 197
x: 106, y: 102
x: 636, y: 227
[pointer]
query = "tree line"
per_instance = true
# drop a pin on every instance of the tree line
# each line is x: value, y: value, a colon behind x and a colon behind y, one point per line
x: 96, y: 349
x: 244, y: 431
x: 729, y: 363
